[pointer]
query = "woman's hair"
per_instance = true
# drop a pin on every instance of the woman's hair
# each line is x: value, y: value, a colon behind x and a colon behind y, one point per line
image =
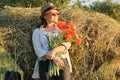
x: 42, y: 21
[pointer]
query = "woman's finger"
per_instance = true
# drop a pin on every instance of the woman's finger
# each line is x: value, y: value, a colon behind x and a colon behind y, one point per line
x: 60, y: 62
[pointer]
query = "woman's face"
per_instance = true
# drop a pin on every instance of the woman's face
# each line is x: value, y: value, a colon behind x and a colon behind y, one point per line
x: 51, y: 16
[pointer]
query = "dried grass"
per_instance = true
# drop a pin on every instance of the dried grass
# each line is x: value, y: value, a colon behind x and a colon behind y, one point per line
x: 97, y: 57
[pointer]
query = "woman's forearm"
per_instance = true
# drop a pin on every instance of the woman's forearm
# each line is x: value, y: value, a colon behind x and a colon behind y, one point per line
x: 59, y: 48
x: 51, y: 54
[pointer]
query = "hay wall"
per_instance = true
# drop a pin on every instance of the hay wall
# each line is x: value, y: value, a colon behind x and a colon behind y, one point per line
x: 94, y: 59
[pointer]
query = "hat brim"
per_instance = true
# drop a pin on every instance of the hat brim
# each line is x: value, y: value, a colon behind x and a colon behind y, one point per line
x: 56, y: 9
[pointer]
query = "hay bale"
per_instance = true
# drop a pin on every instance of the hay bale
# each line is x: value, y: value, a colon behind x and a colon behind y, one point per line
x: 100, y: 33
x: 15, y: 36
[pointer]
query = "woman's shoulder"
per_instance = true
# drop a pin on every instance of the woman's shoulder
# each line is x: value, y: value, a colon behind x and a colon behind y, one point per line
x: 37, y: 30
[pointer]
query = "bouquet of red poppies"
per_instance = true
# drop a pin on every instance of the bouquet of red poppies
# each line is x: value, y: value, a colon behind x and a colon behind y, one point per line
x: 68, y: 34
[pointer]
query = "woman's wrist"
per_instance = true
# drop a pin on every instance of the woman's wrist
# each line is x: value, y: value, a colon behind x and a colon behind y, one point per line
x: 55, y: 50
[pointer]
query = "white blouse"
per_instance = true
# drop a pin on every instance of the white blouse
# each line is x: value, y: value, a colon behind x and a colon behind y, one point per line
x: 40, y: 45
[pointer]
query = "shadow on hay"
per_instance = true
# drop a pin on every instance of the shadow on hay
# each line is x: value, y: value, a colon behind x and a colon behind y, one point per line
x: 17, y: 41
x: 12, y: 75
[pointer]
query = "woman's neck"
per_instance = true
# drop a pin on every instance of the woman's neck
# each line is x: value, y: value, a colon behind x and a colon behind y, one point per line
x: 50, y: 27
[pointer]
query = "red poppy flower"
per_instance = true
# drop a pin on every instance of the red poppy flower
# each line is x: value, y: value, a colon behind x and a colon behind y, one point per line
x: 78, y: 40
x: 69, y: 31
x: 61, y: 24
x: 68, y: 37
x: 70, y: 25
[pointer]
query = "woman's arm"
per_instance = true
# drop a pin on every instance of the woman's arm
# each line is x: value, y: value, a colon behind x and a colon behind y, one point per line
x: 63, y: 47
x: 51, y: 54
x: 37, y: 45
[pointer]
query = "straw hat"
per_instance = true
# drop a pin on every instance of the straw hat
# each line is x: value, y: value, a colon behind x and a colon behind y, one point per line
x: 47, y: 7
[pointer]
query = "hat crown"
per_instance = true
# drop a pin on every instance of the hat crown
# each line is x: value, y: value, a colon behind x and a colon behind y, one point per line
x: 46, y: 6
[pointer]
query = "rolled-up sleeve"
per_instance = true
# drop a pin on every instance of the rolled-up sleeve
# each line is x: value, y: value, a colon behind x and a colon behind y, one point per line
x: 67, y: 44
x: 39, y: 51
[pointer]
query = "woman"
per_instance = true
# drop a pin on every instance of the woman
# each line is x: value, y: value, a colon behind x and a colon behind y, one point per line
x: 49, y: 17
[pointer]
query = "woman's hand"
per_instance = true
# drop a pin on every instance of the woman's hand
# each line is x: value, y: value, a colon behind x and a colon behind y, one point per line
x: 58, y: 61
x: 50, y: 54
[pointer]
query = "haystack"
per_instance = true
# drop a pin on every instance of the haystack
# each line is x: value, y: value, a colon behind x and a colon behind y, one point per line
x: 97, y: 58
